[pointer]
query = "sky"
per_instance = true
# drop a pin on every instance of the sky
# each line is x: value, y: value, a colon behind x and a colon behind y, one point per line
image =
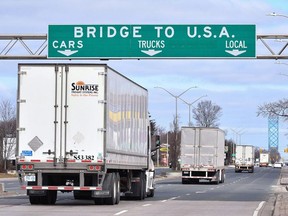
x: 238, y: 86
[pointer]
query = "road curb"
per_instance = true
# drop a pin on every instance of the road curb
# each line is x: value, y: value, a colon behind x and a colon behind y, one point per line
x: 269, y: 206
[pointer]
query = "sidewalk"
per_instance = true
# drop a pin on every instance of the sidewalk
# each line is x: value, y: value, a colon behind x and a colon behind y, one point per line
x: 281, y: 203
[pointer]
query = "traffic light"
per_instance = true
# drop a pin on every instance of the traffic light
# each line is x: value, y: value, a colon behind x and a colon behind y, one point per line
x: 157, y: 141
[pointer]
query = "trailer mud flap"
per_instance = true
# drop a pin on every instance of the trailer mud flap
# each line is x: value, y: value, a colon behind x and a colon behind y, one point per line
x: 106, y: 185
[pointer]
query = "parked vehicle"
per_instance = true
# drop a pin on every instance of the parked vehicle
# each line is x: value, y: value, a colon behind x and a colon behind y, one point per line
x: 244, y: 158
x: 82, y: 129
x: 264, y: 160
x: 202, y: 154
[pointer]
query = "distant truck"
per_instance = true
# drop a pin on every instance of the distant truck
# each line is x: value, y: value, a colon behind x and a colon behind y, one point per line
x: 264, y: 160
x: 82, y: 129
x: 202, y: 154
x: 244, y: 158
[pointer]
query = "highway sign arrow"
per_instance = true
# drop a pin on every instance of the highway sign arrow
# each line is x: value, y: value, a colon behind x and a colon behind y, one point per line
x: 67, y: 52
x: 151, y: 52
x: 235, y: 52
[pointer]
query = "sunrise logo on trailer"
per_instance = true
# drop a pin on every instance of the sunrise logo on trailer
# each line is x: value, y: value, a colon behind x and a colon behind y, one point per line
x: 80, y: 88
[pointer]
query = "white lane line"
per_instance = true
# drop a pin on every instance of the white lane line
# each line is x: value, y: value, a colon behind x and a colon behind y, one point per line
x: 200, y: 192
x: 173, y: 198
x: 146, y: 205
x: 121, y: 212
x: 258, y: 208
x: 188, y: 194
x: 164, y: 201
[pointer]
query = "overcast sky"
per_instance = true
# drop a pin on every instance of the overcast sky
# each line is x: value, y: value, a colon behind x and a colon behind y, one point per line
x: 238, y: 86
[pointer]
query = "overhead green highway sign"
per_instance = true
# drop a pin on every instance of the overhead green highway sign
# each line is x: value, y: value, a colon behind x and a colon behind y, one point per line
x: 151, y: 41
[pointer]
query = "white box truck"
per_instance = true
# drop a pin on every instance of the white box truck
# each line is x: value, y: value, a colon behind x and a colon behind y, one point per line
x: 82, y: 129
x: 264, y: 160
x: 202, y: 154
x: 244, y: 158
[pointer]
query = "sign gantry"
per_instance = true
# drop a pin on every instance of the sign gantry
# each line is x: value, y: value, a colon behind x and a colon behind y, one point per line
x: 36, y: 46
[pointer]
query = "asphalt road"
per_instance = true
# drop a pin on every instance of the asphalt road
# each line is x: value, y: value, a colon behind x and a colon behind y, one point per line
x: 241, y: 194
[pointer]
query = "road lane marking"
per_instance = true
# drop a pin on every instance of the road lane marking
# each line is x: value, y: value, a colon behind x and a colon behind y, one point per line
x: 200, y: 192
x: 121, y: 212
x: 173, y: 198
x: 258, y: 208
x: 164, y: 201
x: 146, y: 205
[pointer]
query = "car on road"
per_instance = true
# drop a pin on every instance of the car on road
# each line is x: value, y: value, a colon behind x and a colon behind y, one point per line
x: 277, y: 165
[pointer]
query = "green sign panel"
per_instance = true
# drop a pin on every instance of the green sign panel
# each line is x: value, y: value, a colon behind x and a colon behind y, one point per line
x: 151, y: 41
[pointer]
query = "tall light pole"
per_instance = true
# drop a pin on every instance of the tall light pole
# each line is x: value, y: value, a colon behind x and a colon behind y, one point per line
x: 237, y: 134
x: 190, y: 104
x: 176, y: 100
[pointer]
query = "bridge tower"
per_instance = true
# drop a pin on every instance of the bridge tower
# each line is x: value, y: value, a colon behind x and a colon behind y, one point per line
x: 273, y: 132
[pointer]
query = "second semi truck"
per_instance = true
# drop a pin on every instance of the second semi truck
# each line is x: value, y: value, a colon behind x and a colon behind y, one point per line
x: 202, y: 154
x: 244, y: 158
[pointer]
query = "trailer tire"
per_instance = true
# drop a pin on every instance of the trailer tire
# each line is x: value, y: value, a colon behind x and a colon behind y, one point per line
x: 142, y: 186
x: 98, y: 201
x: 139, y: 187
x: 118, y: 188
x: 113, y: 191
x: 222, y: 176
x: 34, y: 200
x: 50, y: 198
x: 217, y: 178
x: 151, y: 193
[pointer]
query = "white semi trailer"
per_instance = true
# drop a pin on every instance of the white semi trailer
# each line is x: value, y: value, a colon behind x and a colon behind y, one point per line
x: 202, y: 154
x: 82, y: 129
x: 264, y: 160
x: 244, y: 158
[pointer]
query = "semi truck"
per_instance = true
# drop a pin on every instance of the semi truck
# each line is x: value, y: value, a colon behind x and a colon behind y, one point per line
x: 82, y: 128
x: 264, y: 160
x: 244, y: 158
x: 202, y: 154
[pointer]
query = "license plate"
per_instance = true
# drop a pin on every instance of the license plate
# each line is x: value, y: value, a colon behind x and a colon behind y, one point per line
x: 30, y: 178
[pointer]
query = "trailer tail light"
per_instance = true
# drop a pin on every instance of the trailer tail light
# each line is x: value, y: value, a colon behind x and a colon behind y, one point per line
x: 94, y: 168
x: 26, y: 167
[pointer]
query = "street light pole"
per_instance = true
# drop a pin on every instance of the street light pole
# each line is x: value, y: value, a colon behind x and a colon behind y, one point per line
x: 190, y: 104
x: 237, y: 134
x: 275, y: 14
x: 176, y: 100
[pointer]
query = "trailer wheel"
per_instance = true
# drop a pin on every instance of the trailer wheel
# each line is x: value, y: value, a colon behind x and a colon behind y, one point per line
x: 113, y: 191
x: 151, y: 193
x: 222, y: 176
x: 118, y: 188
x: 138, y: 188
x: 34, y: 200
x: 141, y: 187
x: 50, y: 198
x: 217, y: 178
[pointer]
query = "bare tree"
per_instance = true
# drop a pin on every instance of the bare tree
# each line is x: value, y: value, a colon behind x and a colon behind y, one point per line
x: 174, y: 141
x: 279, y: 108
x: 7, y: 131
x: 207, y: 114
